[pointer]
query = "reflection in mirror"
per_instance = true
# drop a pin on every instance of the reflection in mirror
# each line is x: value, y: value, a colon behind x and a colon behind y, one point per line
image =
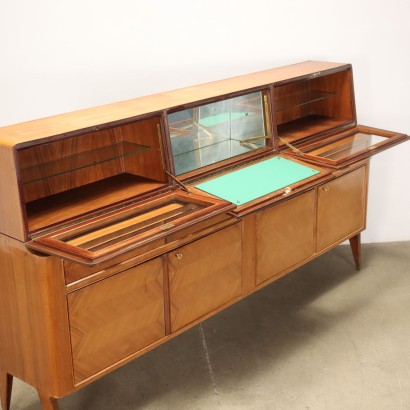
x: 210, y: 133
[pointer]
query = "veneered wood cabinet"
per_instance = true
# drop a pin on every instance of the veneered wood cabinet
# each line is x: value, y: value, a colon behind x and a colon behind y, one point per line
x: 116, y: 317
x: 204, y: 276
x: 124, y: 225
x: 341, y: 208
x: 285, y: 235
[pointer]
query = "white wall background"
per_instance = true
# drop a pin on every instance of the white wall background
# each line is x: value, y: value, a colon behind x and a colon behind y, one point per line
x: 59, y: 55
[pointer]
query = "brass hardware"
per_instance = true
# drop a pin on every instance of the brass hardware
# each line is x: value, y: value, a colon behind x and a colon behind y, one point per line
x: 178, y: 256
x: 183, y: 186
x: 253, y: 139
x: 325, y: 188
x: 161, y: 148
x: 289, y: 145
x: 167, y: 226
x: 266, y: 113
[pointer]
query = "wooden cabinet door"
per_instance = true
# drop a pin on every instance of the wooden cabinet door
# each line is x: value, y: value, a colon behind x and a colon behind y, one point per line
x: 112, y: 319
x: 284, y: 235
x: 341, y: 208
x: 204, y: 275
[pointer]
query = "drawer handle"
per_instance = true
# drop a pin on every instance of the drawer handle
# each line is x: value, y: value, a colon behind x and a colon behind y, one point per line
x: 325, y: 188
x: 178, y: 256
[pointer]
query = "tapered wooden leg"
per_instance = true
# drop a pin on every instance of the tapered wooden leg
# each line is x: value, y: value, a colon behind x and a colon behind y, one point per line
x: 356, y: 249
x: 47, y: 402
x: 6, y: 384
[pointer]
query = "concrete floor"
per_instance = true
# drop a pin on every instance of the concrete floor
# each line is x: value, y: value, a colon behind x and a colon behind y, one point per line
x: 323, y: 337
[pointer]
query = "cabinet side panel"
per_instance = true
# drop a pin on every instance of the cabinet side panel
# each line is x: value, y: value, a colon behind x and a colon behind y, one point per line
x: 285, y: 235
x: 114, y: 318
x: 205, y: 275
x: 11, y: 214
x: 341, y: 208
x: 34, y: 336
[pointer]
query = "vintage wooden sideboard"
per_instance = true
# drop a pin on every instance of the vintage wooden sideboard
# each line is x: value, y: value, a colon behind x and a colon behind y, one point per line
x: 124, y: 225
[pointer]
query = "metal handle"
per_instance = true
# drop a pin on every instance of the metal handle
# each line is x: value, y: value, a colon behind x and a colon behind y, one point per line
x: 178, y: 256
x: 325, y: 188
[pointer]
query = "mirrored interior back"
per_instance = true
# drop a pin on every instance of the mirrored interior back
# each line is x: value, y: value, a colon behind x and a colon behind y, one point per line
x: 210, y: 133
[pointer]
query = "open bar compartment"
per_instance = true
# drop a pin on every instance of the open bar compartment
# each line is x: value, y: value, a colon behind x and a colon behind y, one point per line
x: 101, y: 238
x: 340, y: 149
x: 210, y: 133
x: 315, y: 105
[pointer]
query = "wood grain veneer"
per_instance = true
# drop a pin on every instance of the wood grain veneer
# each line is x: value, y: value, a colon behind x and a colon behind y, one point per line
x: 84, y: 119
x: 114, y: 318
x: 204, y: 275
x: 33, y: 348
x: 341, y: 207
x: 125, y: 289
x: 285, y: 235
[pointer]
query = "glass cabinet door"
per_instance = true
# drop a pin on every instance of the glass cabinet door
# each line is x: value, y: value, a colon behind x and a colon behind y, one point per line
x: 210, y: 133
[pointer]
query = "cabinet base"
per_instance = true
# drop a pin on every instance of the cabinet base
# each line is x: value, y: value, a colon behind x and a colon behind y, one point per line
x: 6, y: 385
x: 355, y: 245
x: 48, y: 403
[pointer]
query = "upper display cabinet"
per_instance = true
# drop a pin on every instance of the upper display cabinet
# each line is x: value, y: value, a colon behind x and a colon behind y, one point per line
x: 65, y: 177
x: 206, y: 134
x: 315, y: 105
x: 315, y: 120
x: 138, y: 159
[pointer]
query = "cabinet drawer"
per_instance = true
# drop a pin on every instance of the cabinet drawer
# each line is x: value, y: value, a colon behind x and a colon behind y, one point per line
x: 284, y: 235
x: 112, y: 319
x: 204, y: 275
x: 341, y: 208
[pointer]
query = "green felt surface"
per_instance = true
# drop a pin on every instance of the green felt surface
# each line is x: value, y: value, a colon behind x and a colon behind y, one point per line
x: 257, y: 180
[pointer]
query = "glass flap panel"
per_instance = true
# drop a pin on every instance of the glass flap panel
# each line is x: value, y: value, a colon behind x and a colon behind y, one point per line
x: 210, y: 133
x: 132, y: 225
x: 104, y: 236
x: 347, y: 146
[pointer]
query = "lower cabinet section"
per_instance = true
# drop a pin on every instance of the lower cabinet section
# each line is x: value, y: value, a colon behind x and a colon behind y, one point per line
x: 284, y: 235
x: 116, y: 317
x: 204, y: 275
x: 120, y: 315
x: 341, y: 208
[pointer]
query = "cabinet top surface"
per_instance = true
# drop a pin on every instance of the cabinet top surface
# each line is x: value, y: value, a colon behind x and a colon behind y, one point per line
x: 92, y: 117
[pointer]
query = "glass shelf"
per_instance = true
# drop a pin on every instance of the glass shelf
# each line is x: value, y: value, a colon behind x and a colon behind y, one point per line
x: 301, y: 98
x: 79, y: 161
x: 212, y: 153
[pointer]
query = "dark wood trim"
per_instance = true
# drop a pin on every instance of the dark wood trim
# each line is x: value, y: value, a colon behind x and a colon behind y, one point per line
x: 166, y: 144
x: 321, y: 73
x: 392, y: 140
x: 273, y: 121
x: 6, y: 387
x: 167, y: 308
x: 222, y: 97
x: 355, y: 245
